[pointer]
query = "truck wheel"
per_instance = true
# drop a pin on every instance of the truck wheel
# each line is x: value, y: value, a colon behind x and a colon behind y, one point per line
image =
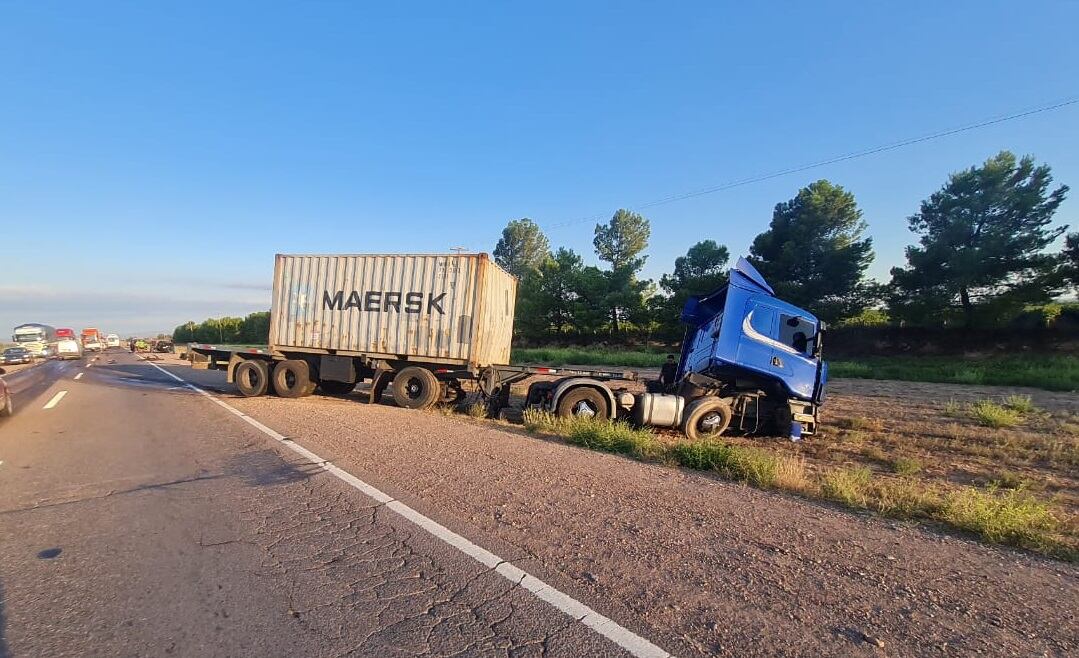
x: 292, y: 379
x: 252, y: 377
x: 583, y: 402
x: 330, y: 387
x: 416, y: 388
x: 8, y: 409
x: 706, y: 418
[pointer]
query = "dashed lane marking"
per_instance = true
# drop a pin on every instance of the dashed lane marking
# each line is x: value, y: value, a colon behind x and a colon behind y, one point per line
x: 623, y: 637
x: 78, y: 376
x: 55, y: 400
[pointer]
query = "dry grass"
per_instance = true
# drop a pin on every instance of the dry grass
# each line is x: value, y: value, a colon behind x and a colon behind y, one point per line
x: 900, y: 456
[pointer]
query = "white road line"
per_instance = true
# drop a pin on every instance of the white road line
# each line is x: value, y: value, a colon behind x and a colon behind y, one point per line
x: 623, y: 637
x: 55, y: 400
x: 78, y: 376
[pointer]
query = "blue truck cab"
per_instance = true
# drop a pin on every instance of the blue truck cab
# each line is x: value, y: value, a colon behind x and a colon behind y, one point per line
x: 763, y: 355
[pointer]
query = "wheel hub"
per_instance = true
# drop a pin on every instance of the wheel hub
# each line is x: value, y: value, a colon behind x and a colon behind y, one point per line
x: 584, y: 409
x: 710, y: 422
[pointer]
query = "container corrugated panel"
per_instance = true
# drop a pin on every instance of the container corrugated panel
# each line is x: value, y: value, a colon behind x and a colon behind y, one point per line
x: 455, y: 308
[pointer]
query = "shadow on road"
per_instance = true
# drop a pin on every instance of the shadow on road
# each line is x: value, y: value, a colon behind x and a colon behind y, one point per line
x: 266, y: 468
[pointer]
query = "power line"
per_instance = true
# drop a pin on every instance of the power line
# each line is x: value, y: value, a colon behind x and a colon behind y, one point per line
x: 821, y: 163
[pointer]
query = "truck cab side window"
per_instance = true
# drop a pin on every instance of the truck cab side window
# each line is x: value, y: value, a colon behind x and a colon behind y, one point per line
x: 795, y: 331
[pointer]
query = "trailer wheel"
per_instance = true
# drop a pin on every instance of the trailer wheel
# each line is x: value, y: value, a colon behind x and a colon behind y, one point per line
x: 252, y: 377
x: 330, y: 387
x: 583, y: 402
x: 706, y: 418
x: 416, y: 388
x: 292, y: 379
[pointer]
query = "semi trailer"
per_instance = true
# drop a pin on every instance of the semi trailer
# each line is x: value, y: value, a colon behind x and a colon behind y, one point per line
x: 426, y: 324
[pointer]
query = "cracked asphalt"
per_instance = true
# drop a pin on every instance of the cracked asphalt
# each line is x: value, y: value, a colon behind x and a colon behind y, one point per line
x: 139, y: 519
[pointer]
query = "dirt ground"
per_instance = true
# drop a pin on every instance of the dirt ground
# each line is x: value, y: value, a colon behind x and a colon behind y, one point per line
x: 709, y: 567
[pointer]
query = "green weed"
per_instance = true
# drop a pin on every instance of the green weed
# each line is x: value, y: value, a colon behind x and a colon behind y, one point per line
x: 1013, y: 517
x: 991, y: 414
x: 1020, y: 404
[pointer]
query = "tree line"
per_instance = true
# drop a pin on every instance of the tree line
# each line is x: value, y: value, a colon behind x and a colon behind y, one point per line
x: 981, y: 258
x: 251, y: 330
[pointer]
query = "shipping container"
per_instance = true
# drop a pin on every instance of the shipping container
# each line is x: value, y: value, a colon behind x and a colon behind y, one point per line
x: 441, y: 308
x: 425, y: 324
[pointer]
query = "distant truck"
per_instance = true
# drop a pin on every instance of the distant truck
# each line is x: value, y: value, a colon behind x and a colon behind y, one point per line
x: 92, y: 340
x: 112, y: 340
x: 750, y: 363
x: 38, y: 339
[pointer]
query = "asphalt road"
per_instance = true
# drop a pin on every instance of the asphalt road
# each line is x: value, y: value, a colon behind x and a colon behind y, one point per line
x: 138, y: 518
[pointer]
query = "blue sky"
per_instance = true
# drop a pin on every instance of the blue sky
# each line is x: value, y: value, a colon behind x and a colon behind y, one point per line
x: 154, y: 157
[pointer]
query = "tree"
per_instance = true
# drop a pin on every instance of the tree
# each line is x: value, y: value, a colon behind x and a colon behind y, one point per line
x: 621, y: 240
x: 547, y: 299
x: 523, y: 248
x: 814, y: 254
x: 1071, y: 260
x: 256, y: 328
x: 620, y: 243
x: 982, y: 243
x: 700, y: 271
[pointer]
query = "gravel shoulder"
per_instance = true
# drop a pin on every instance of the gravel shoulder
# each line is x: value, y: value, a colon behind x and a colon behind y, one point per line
x: 699, y: 565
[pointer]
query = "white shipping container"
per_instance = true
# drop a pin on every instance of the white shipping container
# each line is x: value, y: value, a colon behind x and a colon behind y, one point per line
x: 443, y: 308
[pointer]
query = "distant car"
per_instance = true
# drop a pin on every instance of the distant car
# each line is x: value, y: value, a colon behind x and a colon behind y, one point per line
x: 6, y: 405
x: 112, y: 340
x: 16, y: 355
x: 68, y: 349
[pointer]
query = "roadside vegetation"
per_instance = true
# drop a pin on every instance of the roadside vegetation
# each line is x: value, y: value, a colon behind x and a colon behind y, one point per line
x: 863, y: 464
x: 1049, y: 372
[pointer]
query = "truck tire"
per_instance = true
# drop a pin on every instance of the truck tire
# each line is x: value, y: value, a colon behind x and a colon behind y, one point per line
x: 706, y: 418
x: 9, y: 407
x: 330, y: 387
x: 292, y: 379
x: 252, y: 377
x: 583, y: 402
x: 416, y: 388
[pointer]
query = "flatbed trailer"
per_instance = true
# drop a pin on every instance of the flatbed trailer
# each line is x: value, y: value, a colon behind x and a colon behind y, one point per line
x: 254, y: 371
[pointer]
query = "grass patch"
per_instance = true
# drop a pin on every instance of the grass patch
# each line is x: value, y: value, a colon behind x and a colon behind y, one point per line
x: 861, y: 423
x: 746, y: 464
x: 617, y: 437
x: 1020, y: 404
x: 848, y: 485
x: 906, y: 466
x: 991, y: 414
x: 1013, y: 517
x: 1050, y: 372
x: 477, y: 409
x: 1010, y: 480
